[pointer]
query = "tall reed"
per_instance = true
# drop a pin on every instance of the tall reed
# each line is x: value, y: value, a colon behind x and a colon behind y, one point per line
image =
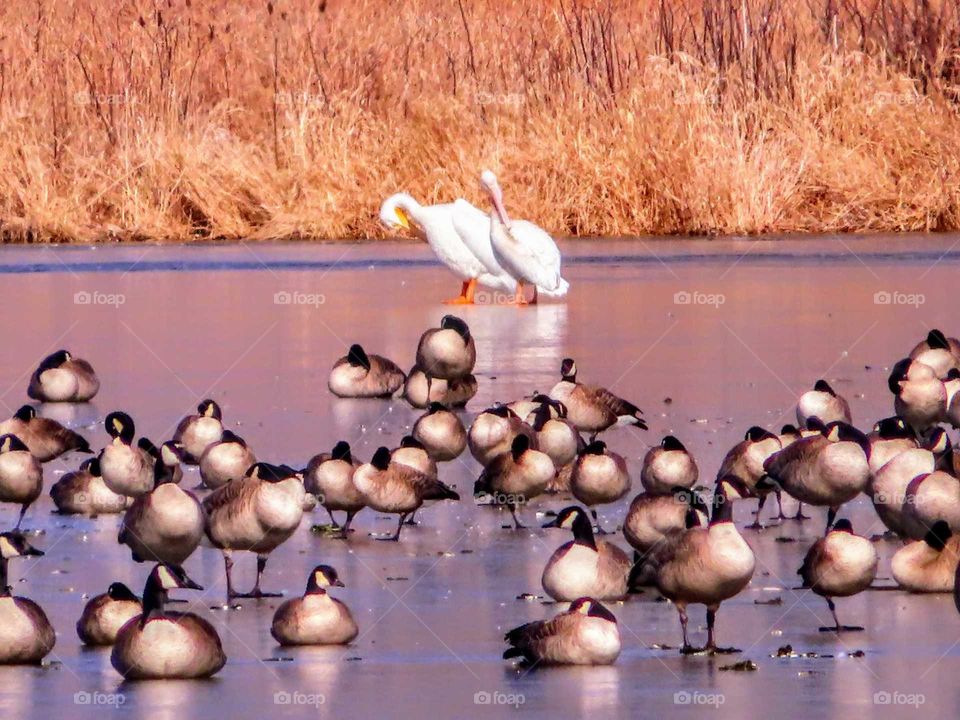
x: 179, y: 119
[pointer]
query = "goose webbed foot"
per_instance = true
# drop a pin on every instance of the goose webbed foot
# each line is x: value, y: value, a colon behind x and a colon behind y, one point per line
x: 257, y: 594
x: 722, y: 650
x: 691, y: 650
x: 755, y: 525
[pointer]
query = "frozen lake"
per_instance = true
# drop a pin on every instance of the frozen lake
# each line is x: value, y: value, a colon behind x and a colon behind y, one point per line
x: 730, y: 331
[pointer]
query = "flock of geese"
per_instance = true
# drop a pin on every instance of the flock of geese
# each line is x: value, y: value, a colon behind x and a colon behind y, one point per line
x: 491, y: 250
x: 685, y: 546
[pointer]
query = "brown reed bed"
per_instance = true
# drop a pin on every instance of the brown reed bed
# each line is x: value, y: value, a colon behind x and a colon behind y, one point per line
x: 180, y: 120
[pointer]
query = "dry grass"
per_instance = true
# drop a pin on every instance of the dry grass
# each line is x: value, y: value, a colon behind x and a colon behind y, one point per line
x: 216, y: 119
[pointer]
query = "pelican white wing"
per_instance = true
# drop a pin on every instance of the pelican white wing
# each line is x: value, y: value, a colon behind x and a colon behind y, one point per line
x: 529, y: 253
x: 473, y: 227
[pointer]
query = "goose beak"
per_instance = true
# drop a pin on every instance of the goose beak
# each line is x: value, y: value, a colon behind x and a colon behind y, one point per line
x: 191, y: 584
x: 552, y: 524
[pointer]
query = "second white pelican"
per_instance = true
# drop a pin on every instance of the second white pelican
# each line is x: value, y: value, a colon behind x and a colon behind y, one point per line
x: 434, y: 223
x: 524, y: 250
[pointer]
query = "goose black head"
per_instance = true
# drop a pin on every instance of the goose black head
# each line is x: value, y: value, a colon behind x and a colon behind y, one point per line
x: 357, y: 357
x: 341, y: 451
x: 815, y: 424
x: 568, y: 370
x: 93, y: 467
x: 54, y: 360
x: 823, y: 386
x: 409, y: 441
x: 670, y: 444
x: 575, y: 518
x: 591, y: 608
x: 120, y: 427
x: 209, y: 408
x: 520, y: 444
x: 120, y: 592
x: 758, y: 434
x: 898, y: 374
x: 840, y: 431
x: 938, y: 442
x: 322, y: 577
x: 167, y: 576
x: 597, y: 447
x: 435, y: 407
x: 937, y: 340
x: 892, y: 427
x: 271, y: 473
x: 26, y: 413
x: 501, y: 411
x: 15, y: 544
x: 229, y: 436
x: 452, y: 322
x: 790, y: 430
x: 11, y: 443
x: 938, y: 535
x: 381, y: 458
x: 843, y: 525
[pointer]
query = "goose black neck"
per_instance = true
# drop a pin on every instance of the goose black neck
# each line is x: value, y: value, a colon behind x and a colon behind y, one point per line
x: 722, y: 509
x: 4, y: 589
x: 154, y: 596
x: 583, y: 531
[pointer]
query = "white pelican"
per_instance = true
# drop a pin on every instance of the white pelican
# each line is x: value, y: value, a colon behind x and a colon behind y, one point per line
x: 434, y: 223
x: 524, y: 250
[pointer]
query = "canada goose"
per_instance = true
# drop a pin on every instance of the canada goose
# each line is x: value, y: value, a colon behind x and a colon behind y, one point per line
x: 593, y: 409
x: 745, y: 460
x: 586, y: 634
x: 256, y: 513
x: 599, y: 477
x: 160, y: 644
x: 166, y: 460
x: 585, y: 565
x: 707, y: 564
x: 823, y: 402
x: 890, y: 437
x: 60, y: 377
x: 888, y: 486
x: 316, y: 618
x: 939, y: 352
x: 921, y: 397
x: 828, y: 469
x: 126, y: 469
x: 164, y: 525
x: 652, y: 517
x: 26, y: 635
x: 46, y: 439
x: 929, y: 498
x: 197, y: 432
x: 527, y: 408
x: 928, y: 565
x: 839, y: 564
x: 413, y: 454
x: 391, y: 487
x: 667, y: 466
x: 329, y: 477
x: 358, y: 375
x: 21, y: 475
x: 516, y: 477
x: 106, y: 613
x: 556, y: 435
x: 83, y: 492
x: 440, y: 432
x: 451, y: 393
x: 227, y: 459
x: 448, y: 352
x: 493, y: 432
